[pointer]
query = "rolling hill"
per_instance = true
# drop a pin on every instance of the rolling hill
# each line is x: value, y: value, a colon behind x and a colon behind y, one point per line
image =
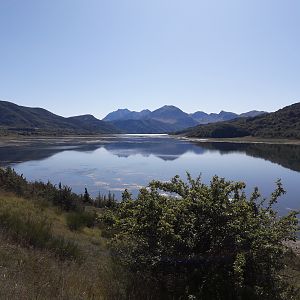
x: 284, y: 123
x: 21, y: 119
x: 92, y: 124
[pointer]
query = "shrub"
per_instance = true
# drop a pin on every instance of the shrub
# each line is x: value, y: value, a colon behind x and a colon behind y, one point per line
x: 78, y: 220
x: 64, y: 248
x: 203, y: 241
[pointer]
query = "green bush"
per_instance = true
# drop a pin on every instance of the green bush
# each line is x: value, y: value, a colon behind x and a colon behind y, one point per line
x: 64, y: 248
x: 203, y: 241
x: 78, y: 220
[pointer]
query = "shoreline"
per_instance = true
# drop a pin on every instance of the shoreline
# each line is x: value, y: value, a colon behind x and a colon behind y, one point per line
x: 6, y: 141
x: 14, y: 141
x: 26, y: 140
x: 243, y: 140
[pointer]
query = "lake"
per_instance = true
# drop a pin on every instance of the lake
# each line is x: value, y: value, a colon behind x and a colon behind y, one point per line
x: 114, y: 163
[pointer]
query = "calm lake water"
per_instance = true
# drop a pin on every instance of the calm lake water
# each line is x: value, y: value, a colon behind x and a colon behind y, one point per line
x: 127, y: 161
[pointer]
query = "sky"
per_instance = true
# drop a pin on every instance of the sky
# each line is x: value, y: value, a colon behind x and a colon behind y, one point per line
x: 94, y: 56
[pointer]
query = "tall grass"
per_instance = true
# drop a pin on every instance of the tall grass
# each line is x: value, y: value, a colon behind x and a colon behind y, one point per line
x: 39, y: 255
x: 27, y: 224
x: 78, y: 220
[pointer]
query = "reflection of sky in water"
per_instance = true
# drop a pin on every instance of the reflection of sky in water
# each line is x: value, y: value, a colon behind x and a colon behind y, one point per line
x: 106, y: 169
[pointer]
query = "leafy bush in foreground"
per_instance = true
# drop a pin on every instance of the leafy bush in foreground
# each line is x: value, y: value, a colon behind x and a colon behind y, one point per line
x: 203, y: 241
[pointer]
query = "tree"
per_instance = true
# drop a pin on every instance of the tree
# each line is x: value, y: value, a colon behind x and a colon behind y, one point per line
x: 86, y: 196
x: 126, y: 195
x: 204, y: 241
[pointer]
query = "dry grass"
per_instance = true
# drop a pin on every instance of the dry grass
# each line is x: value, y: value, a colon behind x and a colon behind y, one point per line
x: 29, y: 272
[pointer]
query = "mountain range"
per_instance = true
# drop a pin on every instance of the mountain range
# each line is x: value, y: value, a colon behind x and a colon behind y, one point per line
x: 27, y: 120
x: 168, y: 118
x: 284, y: 123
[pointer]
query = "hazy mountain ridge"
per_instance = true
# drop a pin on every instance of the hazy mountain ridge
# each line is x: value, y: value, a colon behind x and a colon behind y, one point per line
x: 284, y: 123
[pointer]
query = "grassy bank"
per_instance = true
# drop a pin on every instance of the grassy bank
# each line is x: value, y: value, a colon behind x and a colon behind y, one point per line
x: 42, y: 258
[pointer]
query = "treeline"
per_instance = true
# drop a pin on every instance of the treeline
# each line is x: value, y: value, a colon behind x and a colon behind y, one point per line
x: 103, y: 200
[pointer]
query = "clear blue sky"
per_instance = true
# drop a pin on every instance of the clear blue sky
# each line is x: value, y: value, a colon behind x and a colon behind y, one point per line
x: 94, y: 56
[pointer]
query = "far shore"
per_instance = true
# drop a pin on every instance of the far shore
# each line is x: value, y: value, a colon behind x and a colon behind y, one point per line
x: 27, y: 140
x: 244, y: 140
x: 16, y: 140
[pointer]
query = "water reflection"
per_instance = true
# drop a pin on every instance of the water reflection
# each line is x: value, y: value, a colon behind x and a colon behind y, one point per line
x: 17, y: 154
x: 287, y: 156
x: 118, y: 162
x: 165, y: 148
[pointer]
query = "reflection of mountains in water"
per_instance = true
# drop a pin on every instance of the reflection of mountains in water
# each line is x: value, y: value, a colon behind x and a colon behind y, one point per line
x: 11, y: 154
x: 167, y: 149
x: 285, y: 155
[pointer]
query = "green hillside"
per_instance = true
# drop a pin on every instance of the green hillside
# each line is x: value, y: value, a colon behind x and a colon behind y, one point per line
x: 27, y: 120
x: 284, y: 123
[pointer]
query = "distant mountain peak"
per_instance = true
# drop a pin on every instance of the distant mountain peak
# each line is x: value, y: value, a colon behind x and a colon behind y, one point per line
x: 86, y: 117
x: 126, y: 114
x: 123, y: 109
x: 170, y: 107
